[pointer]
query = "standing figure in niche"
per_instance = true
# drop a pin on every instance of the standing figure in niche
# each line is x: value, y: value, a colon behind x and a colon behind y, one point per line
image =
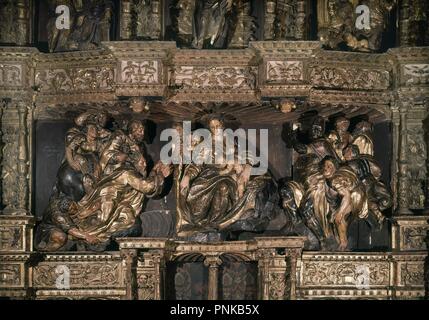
x: 58, y: 38
x: 90, y: 22
x: 212, y: 22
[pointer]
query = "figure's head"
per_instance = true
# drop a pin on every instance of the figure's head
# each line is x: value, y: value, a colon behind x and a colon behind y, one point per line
x: 136, y: 130
x: 215, y: 124
x: 91, y: 131
x: 342, y: 124
x: 317, y: 128
x: 363, y: 127
x: 351, y: 152
x: 287, y: 196
x: 101, y: 119
x: 329, y: 166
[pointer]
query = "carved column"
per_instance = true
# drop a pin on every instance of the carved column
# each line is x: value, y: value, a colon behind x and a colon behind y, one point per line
x: 396, y: 120
x: 23, y: 160
x: 125, y: 20
x: 23, y: 23
x: 159, y: 264
x: 3, y: 105
x: 426, y: 133
x: 15, y: 164
x: 264, y: 259
x: 270, y: 17
x: 301, y: 20
x: 403, y: 182
x: 213, y: 263
x: 404, y: 23
x: 129, y: 258
x: 292, y: 256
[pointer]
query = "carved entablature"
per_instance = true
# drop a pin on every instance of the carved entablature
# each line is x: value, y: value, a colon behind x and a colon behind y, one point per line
x: 265, y: 69
x: 350, y: 71
x: 90, y: 73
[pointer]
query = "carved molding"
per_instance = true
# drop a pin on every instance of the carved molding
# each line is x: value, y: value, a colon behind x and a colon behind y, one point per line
x: 349, y: 78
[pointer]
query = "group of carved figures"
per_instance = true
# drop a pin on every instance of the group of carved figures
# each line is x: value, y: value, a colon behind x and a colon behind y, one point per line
x: 338, y: 180
x: 223, y: 23
x: 342, y: 28
x: 104, y: 182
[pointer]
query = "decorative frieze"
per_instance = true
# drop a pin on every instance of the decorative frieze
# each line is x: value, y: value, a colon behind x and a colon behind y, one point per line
x: 215, y: 78
x: 84, y: 274
x: 349, y: 78
x: 362, y: 275
x: 69, y: 80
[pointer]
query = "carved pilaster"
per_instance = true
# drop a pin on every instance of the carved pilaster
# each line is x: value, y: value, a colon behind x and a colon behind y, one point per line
x: 23, y: 22
x: 286, y: 19
x: 15, y: 164
x: 23, y: 160
x: 125, y: 20
x: 264, y: 259
x: 129, y: 260
x: 159, y: 274
x: 426, y: 134
x: 404, y: 23
x: 16, y: 22
x: 292, y: 256
x: 403, y: 181
x: 413, y: 23
x: 213, y: 262
x: 396, y: 121
x: 270, y: 16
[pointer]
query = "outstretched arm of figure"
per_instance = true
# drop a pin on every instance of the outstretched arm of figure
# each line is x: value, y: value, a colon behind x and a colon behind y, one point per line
x: 75, y: 232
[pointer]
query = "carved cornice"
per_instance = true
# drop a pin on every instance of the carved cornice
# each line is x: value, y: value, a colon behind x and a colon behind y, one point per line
x: 410, y: 54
